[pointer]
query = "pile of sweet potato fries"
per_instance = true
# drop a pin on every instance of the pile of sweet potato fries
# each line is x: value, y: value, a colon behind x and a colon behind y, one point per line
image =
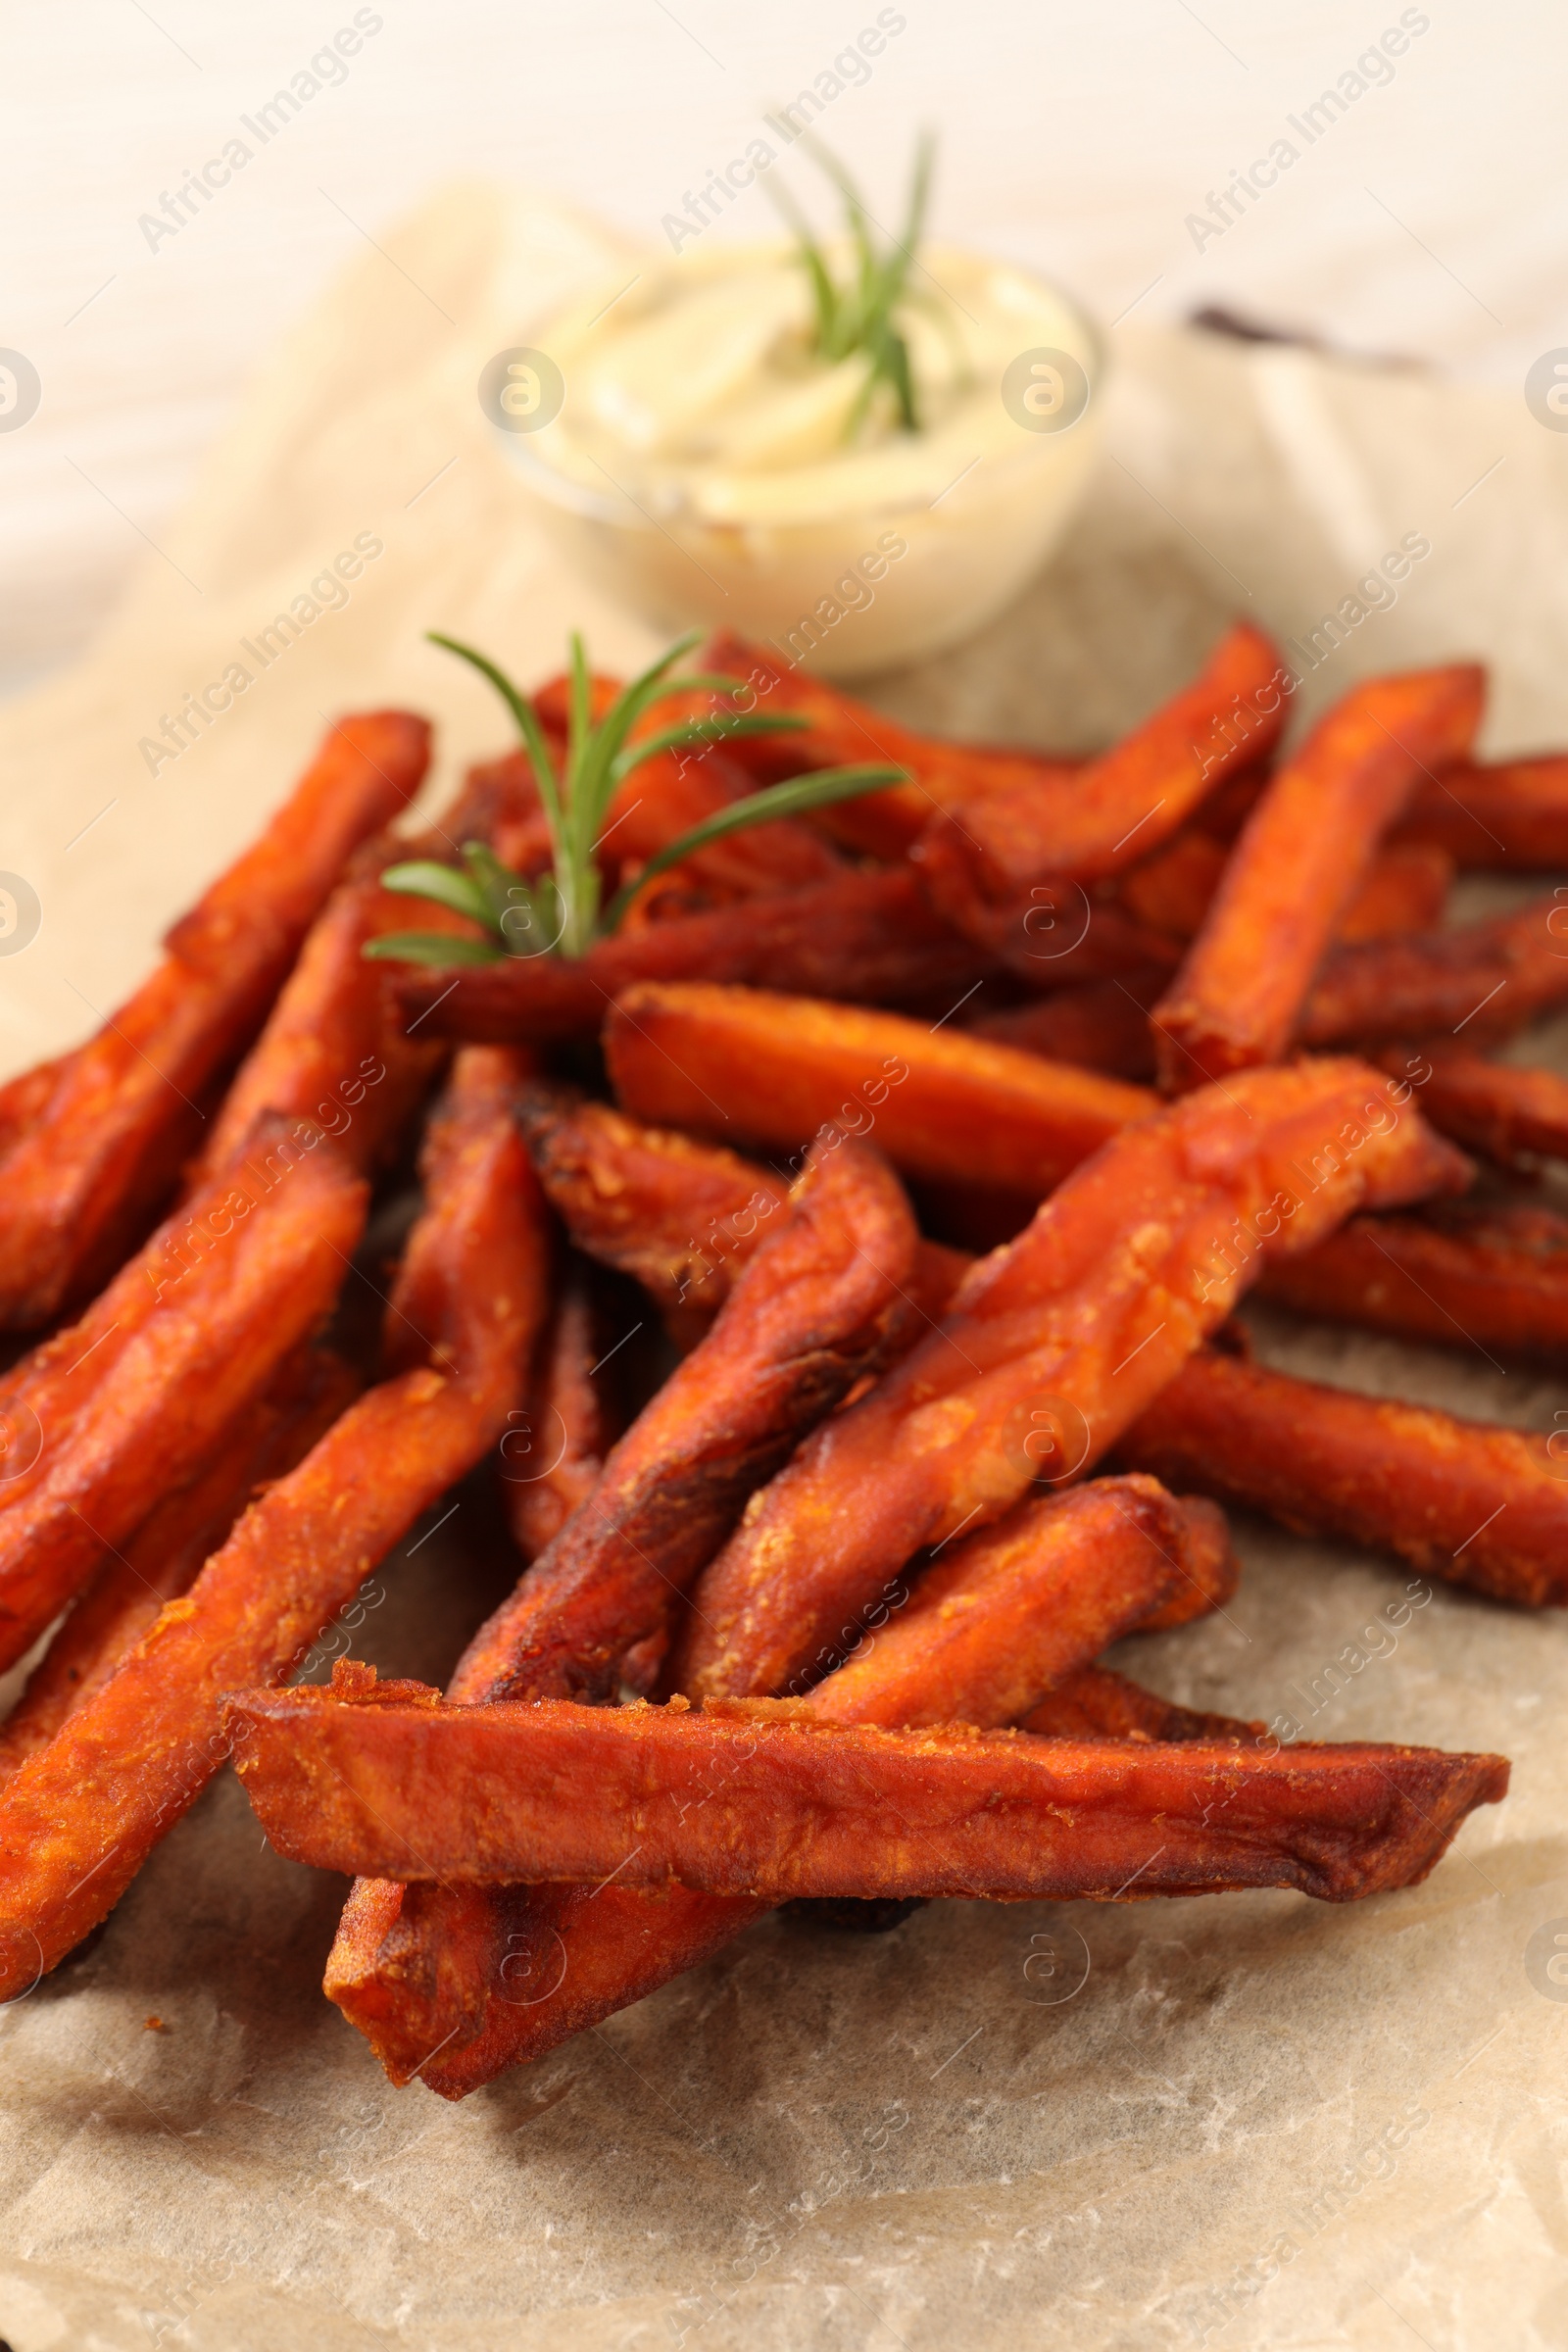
x: 944, y: 1127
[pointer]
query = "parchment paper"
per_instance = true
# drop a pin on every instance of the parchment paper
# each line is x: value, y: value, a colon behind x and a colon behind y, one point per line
x: 1254, y: 2121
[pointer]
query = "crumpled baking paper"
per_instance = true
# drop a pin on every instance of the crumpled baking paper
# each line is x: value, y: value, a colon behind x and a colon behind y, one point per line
x: 1251, y: 2120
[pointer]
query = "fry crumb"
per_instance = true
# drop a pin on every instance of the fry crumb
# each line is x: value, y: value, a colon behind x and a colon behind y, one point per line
x: 153, y: 2024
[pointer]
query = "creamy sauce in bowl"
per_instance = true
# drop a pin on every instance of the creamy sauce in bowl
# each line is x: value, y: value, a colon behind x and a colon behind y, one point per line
x: 738, y: 471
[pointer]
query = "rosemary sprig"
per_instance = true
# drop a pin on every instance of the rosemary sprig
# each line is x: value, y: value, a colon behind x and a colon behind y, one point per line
x: 860, y: 316
x: 561, y: 909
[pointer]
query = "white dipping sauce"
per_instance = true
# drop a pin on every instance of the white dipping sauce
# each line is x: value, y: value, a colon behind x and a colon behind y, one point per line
x: 702, y: 461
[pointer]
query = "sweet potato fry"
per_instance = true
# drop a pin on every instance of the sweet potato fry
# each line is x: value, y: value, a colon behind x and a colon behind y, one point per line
x: 741, y: 1064
x: 843, y: 732
x: 1483, y: 980
x: 1061, y: 1338
x: 1512, y: 817
x: 23, y: 1099
x: 1173, y: 890
x: 554, y: 1462
x: 1509, y: 1115
x: 193, y: 1329
x: 1099, y: 1024
x: 161, y: 1561
x: 1004, y: 1615
x: 1465, y: 1500
x: 814, y: 1311
x: 522, y: 1969
x: 1299, y: 859
x: 1404, y: 888
x: 1209, y: 1569
x: 872, y: 936
x: 494, y: 1993
x: 680, y: 1217
x: 745, y: 1798
x: 82, y: 1182
x: 1096, y: 1704
x: 1461, y: 1274
x: 79, y: 1817
x: 986, y: 866
x: 529, y: 1970
x: 333, y: 1052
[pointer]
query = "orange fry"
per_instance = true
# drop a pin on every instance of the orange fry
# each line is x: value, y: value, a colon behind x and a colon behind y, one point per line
x: 865, y: 934
x: 1174, y: 889
x: 516, y: 1975
x: 520, y: 1972
x: 24, y: 1098
x: 814, y: 1311
x: 81, y: 1181
x: 1508, y: 1115
x: 1099, y: 1024
x: 990, y: 866
x: 184, y: 1348
x: 1052, y: 1345
x: 160, y: 1563
x: 1481, y: 981
x: 842, y: 732
x: 750, y: 1799
x: 1004, y: 1615
x: 554, y: 1458
x: 1299, y: 859
x: 738, y: 1064
x: 1096, y: 1704
x: 333, y: 1052
x: 1512, y: 816
x: 1404, y: 888
x: 78, y: 1817
x: 1461, y: 1274
x: 1465, y: 1500
x: 678, y: 1216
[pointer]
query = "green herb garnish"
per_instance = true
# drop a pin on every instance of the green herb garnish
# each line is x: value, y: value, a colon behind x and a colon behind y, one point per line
x: 560, y: 909
x: 860, y: 316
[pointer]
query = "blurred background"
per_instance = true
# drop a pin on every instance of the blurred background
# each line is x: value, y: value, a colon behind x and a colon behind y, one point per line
x: 1428, y: 218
